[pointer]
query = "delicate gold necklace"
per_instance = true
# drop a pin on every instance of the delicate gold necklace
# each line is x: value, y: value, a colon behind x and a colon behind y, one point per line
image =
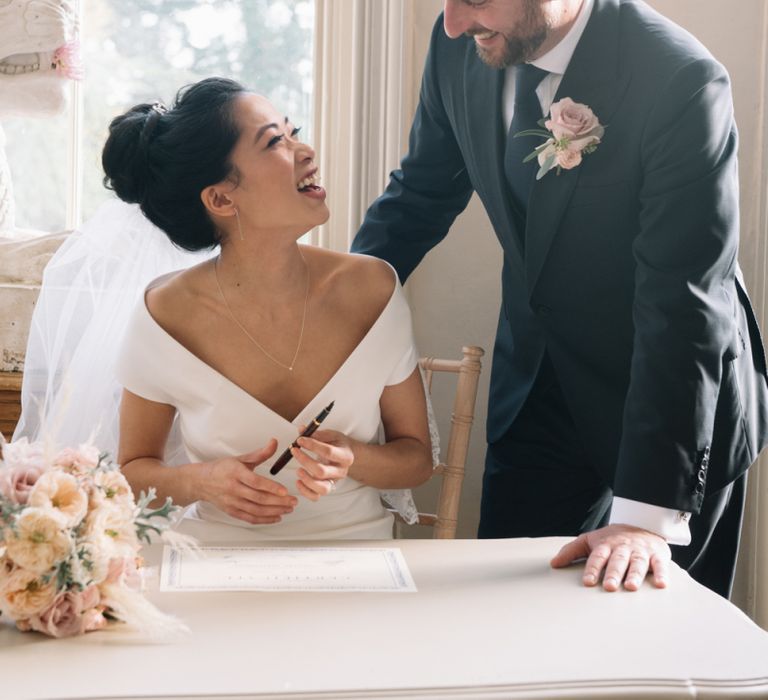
x: 245, y: 330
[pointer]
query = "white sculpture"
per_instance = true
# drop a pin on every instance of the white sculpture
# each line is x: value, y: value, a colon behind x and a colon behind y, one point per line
x: 7, y: 208
x: 33, y: 25
x: 37, y: 58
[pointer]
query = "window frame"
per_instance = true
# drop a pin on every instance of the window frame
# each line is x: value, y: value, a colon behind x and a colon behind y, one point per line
x: 75, y: 173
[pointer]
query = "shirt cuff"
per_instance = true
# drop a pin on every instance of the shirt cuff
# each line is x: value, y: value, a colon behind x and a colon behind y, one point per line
x: 668, y: 523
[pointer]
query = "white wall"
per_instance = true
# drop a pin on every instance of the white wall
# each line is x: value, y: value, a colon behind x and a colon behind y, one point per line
x: 455, y: 291
x: 455, y: 295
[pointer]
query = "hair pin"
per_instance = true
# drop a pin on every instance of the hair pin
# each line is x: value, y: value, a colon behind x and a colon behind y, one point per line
x: 159, y: 107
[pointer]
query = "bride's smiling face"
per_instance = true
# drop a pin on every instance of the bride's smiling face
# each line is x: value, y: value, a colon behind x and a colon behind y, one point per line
x: 277, y: 179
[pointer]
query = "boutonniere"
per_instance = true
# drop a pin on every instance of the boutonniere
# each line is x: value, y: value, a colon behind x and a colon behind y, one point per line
x: 571, y: 131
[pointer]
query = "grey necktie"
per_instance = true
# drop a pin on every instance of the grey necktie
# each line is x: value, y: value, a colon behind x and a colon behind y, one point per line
x: 526, y: 116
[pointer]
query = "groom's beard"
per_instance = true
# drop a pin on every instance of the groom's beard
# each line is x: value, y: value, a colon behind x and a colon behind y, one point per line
x: 521, y: 46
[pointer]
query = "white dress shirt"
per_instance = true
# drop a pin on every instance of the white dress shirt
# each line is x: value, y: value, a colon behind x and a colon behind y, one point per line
x: 666, y: 522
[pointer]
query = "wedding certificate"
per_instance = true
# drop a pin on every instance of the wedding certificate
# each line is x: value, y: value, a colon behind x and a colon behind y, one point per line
x: 330, y: 569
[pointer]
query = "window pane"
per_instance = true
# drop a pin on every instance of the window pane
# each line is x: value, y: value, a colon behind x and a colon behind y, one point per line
x: 144, y: 50
x: 37, y: 154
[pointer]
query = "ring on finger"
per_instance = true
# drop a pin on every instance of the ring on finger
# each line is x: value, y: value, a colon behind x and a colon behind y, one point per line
x: 332, y: 484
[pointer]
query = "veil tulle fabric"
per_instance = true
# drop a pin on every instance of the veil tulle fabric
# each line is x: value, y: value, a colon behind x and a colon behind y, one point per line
x: 90, y: 287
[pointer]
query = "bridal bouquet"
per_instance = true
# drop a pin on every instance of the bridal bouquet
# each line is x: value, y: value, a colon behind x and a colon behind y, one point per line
x: 71, y: 532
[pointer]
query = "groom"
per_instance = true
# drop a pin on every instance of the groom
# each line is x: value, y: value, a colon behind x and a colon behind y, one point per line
x: 628, y: 390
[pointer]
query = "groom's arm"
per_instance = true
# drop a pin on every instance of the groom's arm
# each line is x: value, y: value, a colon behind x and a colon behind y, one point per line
x: 431, y: 187
x: 684, y: 324
x: 684, y: 306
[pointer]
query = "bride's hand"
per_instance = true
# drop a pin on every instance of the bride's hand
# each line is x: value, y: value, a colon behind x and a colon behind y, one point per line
x: 318, y: 477
x: 230, y: 484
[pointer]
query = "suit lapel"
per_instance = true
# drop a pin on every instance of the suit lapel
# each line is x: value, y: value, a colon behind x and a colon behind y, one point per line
x: 592, y: 78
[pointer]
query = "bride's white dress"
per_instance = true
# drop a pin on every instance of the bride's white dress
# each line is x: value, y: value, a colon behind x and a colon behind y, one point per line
x: 217, y: 418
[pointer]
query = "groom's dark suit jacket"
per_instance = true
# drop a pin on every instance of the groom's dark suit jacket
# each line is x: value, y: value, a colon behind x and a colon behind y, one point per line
x: 628, y: 276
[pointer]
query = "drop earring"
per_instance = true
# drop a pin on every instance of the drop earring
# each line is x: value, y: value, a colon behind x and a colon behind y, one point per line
x: 239, y: 227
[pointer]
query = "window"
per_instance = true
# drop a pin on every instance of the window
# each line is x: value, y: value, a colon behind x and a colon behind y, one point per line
x: 141, y: 51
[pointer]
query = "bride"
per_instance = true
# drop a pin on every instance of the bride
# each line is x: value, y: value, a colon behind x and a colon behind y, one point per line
x: 240, y: 351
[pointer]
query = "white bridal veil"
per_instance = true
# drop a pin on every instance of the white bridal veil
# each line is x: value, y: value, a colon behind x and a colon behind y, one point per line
x: 90, y: 287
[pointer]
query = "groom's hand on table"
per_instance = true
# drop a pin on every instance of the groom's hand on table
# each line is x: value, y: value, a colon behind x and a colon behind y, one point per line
x: 331, y: 458
x: 232, y: 486
x: 624, y: 553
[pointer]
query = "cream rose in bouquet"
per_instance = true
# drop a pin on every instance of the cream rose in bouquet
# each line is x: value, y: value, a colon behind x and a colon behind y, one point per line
x: 71, y: 534
x: 571, y: 132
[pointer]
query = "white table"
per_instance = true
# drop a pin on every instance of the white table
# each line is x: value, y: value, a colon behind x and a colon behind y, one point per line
x: 490, y: 620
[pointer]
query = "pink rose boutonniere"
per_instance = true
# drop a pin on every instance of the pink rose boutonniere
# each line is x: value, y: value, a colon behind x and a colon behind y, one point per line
x: 571, y: 131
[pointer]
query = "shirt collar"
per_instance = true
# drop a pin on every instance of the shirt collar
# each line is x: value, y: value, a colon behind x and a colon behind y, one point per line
x: 556, y: 60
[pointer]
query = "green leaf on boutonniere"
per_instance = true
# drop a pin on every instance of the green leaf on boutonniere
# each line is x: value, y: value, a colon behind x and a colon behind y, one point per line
x: 533, y: 132
x: 536, y: 151
x: 546, y: 167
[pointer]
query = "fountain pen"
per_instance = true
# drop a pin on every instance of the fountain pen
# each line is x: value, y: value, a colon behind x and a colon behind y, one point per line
x: 284, y: 458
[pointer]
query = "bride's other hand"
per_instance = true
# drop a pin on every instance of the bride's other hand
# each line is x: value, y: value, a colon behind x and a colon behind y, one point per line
x: 231, y: 485
x: 318, y: 477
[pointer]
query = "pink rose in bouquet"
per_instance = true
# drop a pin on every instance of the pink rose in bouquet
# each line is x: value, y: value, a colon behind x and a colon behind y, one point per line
x: 70, y: 613
x: 24, y: 464
x: 16, y: 484
x: 80, y: 461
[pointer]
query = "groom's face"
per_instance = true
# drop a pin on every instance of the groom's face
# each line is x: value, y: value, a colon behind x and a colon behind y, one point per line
x: 506, y: 32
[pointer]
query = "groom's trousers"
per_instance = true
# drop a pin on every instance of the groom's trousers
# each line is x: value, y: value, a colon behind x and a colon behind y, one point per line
x: 538, y: 482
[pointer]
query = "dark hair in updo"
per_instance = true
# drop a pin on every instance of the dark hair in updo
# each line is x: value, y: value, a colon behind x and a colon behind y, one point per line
x: 163, y: 160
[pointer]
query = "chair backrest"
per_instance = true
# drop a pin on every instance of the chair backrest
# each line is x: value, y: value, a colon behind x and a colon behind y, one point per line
x: 451, y: 469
